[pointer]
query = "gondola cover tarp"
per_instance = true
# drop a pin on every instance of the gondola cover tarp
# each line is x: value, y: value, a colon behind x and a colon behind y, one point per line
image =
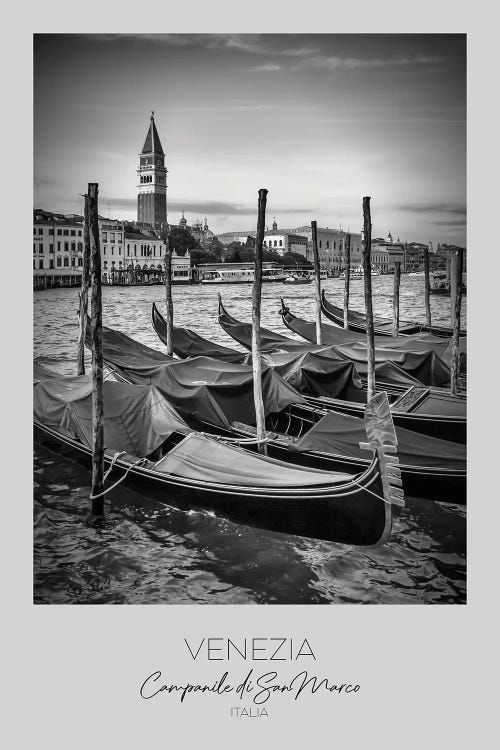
x: 202, y: 388
x: 136, y: 419
x: 341, y: 434
x: 206, y: 460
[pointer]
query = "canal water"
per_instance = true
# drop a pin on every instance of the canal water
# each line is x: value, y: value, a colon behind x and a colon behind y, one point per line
x: 149, y: 553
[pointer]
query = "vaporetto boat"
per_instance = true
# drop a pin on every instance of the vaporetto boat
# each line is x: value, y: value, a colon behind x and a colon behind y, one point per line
x: 240, y: 276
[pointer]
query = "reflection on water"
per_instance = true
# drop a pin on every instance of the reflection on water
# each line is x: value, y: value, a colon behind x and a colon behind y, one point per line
x: 149, y: 552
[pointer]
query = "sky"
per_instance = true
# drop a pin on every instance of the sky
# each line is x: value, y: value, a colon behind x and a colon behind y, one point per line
x: 320, y: 120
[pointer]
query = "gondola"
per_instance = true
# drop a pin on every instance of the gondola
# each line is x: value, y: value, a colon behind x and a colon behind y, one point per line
x: 330, y: 382
x: 382, y: 325
x: 155, y: 452
x: 425, y: 367
x: 213, y: 397
x: 428, y: 362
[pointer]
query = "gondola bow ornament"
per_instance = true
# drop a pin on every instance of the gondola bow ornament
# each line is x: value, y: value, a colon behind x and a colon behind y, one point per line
x: 382, y: 439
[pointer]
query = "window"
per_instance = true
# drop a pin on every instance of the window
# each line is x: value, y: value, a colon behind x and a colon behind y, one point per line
x: 51, y: 263
x: 40, y: 263
x: 73, y: 263
x: 40, y: 247
x: 34, y: 263
x: 66, y: 246
x: 73, y: 233
x: 40, y: 230
x: 320, y: 243
x: 104, y: 249
x: 135, y: 250
x: 334, y: 245
x: 80, y: 261
x: 119, y: 236
x: 51, y: 231
x: 275, y: 243
x: 51, y: 248
x: 104, y: 236
x: 128, y: 251
x: 66, y: 232
x: 328, y: 244
x: 281, y: 243
x: 59, y: 232
x: 73, y: 247
x: 34, y: 248
x: 34, y: 230
x: 112, y: 237
x: 66, y: 261
x: 59, y: 246
x: 112, y: 250
x: 58, y: 261
x: 80, y: 246
x: 79, y: 232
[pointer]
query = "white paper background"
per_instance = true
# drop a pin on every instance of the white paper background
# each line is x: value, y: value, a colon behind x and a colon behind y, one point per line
x: 73, y: 673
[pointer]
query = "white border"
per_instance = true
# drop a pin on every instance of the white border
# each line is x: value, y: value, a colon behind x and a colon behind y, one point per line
x: 73, y: 672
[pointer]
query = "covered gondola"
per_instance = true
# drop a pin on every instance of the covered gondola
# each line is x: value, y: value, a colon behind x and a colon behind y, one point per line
x: 422, y: 360
x: 383, y: 326
x: 333, y: 382
x: 150, y: 447
x: 435, y: 468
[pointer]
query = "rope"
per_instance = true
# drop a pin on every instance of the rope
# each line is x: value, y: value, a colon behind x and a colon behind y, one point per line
x: 105, y: 492
x: 240, y: 441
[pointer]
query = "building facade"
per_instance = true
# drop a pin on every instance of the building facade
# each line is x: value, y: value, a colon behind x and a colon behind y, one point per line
x: 57, y: 244
x: 129, y: 253
x: 152, y: 185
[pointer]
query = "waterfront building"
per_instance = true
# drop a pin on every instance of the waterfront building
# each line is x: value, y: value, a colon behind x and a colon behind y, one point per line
x: 385, y: 253
x: 331, y: 247
x: 152, y: 185
x: 130, y: 253
x: 282, y: 241
x: 57, y: 246
x: 200, y: 231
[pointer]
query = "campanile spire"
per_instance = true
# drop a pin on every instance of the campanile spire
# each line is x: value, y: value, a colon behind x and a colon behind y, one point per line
x: 152, y: 185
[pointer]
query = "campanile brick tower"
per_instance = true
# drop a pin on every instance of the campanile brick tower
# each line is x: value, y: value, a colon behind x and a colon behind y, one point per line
x: 152, y: 186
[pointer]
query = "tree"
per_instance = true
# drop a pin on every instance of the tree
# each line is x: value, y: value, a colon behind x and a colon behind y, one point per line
x: 181, y: 240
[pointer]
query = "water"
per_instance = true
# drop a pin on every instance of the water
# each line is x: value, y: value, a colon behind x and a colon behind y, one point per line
x: 151, y: 553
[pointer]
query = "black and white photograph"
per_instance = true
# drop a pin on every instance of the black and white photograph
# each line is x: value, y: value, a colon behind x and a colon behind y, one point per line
x: 249, y: 318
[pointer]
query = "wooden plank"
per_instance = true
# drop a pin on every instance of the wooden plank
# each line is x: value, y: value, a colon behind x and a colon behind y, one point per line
x: 427, y: 287
x: 395, y: 300
x: 84, y: 293
x: 455, y: 338
x: 370, y: 337
x: 256, y: 303
x: 347, y: 281
x: 97, y: 358
x: 169, y: 318
x: 317, y: 285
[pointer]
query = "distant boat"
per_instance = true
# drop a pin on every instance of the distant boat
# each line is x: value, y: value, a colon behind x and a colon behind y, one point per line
x: 298, y: 279
x: 354, y: 273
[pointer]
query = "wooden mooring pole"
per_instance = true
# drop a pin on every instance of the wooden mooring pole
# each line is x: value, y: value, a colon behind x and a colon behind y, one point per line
x: 168, y: 297
x: 456, y: 279
x: 97, y: 361
x: 84, y: 293
x: 317, y: 284
x: 367, y: 269
x: 395, y: 301
x: 256, y: 298
x: 347, y: 283
x: 427, y: 288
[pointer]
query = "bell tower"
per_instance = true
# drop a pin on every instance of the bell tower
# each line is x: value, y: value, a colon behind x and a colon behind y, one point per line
x: 152, y: 186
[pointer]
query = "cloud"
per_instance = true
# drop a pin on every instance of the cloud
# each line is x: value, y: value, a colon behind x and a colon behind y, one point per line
x: 354, y: 63
x: 451, y: 223
x: 265, y: 68
x: 458, y: 209
x: 211, y: 207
